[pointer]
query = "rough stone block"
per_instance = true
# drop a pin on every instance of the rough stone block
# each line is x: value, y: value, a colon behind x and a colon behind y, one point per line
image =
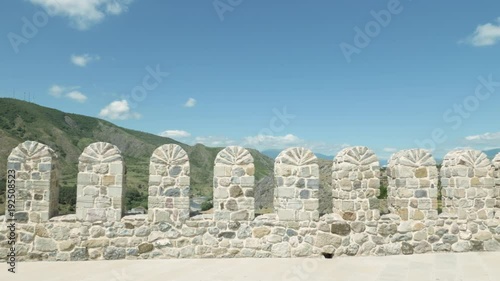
x: 286, y: 215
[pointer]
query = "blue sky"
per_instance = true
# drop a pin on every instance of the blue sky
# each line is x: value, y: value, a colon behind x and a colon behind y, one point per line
x: 324, y: 74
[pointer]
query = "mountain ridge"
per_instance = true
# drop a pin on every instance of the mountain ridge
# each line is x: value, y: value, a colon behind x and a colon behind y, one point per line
x: 68, y: 134
x: 273, y: 153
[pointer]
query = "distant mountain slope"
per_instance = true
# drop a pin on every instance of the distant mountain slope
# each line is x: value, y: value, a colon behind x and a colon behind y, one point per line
x: 68, y: 134
x: 492, y: 153
x: 273, y: 153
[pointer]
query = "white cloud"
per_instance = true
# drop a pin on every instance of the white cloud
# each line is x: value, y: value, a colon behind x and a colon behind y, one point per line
x: 84, y: 59
x: 390, y: 149
x: 484, y: 35
x: 77, y: 96
x: 325, y: 148
x: 215, y: 141
x: 56, y: 90
x: 175, y: 134
x: 190, y: 102
x: 269, y: 141
x: 484, y: 141
x: 461, y: 148
x: 83, y: 14
x: 486, y: 138
x: 119, y: 110
x: 263, y: 142
x: 59, y: 91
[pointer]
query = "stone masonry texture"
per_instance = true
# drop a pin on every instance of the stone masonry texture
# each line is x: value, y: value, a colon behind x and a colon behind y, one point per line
x: 169, y: 180
x: 101, y: 178
x: 470, y: 221
x: 356, y: 184
x: 36, y: 187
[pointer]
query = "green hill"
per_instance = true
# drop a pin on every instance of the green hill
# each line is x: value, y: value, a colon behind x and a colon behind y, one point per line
x: 68, y: 134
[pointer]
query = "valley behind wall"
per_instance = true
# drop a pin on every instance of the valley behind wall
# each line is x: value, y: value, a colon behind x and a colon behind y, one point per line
x: 470, y: 220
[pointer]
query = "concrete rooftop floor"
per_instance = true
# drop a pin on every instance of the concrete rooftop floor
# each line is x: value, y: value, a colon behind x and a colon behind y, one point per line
x: 442, y: 267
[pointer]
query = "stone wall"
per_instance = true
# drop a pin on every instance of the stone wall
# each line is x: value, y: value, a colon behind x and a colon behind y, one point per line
x: 296, y: 174
x: 233, y: 232
x: 356, y: 184
x: 36, y: 188
x: 100, y: 184
x: 468, y: 181
x: 234, y: 185
x: 169, y: 181
x: 413, y: 185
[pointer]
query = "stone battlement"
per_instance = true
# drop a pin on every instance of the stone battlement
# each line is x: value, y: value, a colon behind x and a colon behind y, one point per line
x: 470, y: 198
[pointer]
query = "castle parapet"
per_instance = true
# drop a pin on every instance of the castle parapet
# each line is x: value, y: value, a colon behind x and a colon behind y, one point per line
x: 32, y: 178
x: 356, y: 184
x: 169, y: 184
x: 296, y: 174
x: 100, y: 184
x: 413, y: 185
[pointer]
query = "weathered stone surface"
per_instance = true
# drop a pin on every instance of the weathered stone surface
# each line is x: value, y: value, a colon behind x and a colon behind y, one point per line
x: 145, y: 248
x: 60, y: 233
x: 340, y: 228
x: 358, y: 227
x: 482, y: 236
x: 461, y: 247
x: 327, y: 239
x: 35, y: 183
x: 67, y: 245
x: 295, y: 231
x: 356, y: 183
x: 492, y: 246
x: 281, y: 250
x: 100, y: 181
x: 413, y: 179
x: 387, y: 229
x: 169, y: 182
x: 79, y: 254
x: 260, y: 232
x: 406, y: 248
x: 235, y: 191
x: 449, y: 239
x: 477, y: 246
x: 352, y: 250
x: 113, y: 253
x: 96, y: 243
x: 422, y: 247
x: 142, y: 231
x: 467, y: 179
x: 349, y: 216
x: 227, y: 235
x: 244, y: 232
x: 297, y: 182
x: 25, y: 237
x: 45, y: 244
x: 303, y: 250
x: 233, y: 185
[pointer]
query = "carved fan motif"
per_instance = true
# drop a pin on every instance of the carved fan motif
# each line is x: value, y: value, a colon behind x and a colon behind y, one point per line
x: 30, y: 150
x: 170, y: 155
x: 413, y: 158
x: 357, y: 155
x: 101, y: 152
x: 470, y: 158
x: 297, y: 156
x: 234, y: 155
